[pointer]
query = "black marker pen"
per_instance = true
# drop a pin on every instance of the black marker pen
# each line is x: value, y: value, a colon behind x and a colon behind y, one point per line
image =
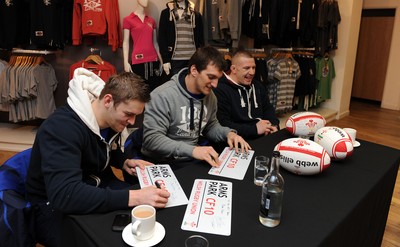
x: 157, y: 184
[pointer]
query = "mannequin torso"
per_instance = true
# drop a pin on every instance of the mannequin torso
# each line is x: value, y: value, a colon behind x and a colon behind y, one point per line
x: 142, y: 29
x: 180, y: 34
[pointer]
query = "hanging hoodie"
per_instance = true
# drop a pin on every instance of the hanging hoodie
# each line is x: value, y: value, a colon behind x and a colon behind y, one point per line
x: 174, y: 120
x: 70, y: 159
x: 167, y: 29
x: 241, y: 107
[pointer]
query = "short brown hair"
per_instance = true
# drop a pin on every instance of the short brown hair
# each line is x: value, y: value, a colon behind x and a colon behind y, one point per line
x: 205, y: 56
x: 126, y: 86
x: 240, y: 53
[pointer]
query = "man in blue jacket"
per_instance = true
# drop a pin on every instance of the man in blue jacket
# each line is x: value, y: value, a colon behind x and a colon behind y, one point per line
x: 70, y: 167
x: 242, y: 101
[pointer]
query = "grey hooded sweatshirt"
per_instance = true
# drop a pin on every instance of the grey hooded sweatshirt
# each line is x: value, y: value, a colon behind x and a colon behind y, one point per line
x: 172, y: 120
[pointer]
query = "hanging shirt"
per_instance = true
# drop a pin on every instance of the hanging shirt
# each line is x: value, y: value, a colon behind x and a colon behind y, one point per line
x: 325, y: 72
x: 184, y: 46
x: 287, y: 72
x: 103, y: 70
x: 96, y: 18
x: 142, y: 35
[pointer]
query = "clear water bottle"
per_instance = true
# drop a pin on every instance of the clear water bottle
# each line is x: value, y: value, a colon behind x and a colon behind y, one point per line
x: 272, y: 194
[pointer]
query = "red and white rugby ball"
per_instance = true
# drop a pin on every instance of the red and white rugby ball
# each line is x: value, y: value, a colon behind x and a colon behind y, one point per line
x: 336, y: 141
x: 303, y: 156
x: 305, y: 123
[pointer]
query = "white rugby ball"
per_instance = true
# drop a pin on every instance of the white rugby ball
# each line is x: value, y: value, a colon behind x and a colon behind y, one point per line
x: 305, y: 123
x: 336, y: 141
x: 303, y: 156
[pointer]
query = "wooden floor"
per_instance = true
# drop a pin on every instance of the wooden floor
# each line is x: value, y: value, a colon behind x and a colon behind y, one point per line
x: 375, y: 125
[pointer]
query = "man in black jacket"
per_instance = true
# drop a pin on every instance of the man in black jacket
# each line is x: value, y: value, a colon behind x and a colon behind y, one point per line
x: 74, y: 149
x: 243, y: 103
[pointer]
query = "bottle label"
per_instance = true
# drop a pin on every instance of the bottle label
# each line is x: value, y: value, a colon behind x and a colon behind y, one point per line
x: 265, y: 204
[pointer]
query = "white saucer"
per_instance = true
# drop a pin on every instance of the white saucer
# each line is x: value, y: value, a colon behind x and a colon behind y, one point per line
x: 356, y: 144
x: 128, y: 237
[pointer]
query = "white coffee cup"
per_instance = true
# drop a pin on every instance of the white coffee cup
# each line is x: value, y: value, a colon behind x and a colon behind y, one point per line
x: 143, y: 221
x: 352, y: 133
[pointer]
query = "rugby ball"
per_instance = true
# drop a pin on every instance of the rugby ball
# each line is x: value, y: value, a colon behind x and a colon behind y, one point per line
x: 336, y: 141
x: 302, y: 156
x: 305, y: 124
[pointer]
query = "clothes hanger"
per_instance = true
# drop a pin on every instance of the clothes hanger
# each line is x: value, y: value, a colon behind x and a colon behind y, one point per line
x: 12, y: 60
x: 259, y: 55
x: 38, y: 60
x: 95, y: 59
x: 326, y: 55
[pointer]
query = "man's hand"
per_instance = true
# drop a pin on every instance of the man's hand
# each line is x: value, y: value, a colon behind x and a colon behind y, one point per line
x: 236, y: 141
x: 206, y: 153
x: 264, y: 127
x: 272, y: 129
x: 150, y: 195
x: 130, y: 165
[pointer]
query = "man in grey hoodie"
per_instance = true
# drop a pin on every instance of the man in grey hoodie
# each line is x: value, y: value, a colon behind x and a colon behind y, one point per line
x: 184, y: 109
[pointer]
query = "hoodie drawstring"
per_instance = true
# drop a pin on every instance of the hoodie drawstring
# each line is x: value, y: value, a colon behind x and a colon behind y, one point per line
x: 254, y: 96
x: 248, y: 93
x: 191, y: 124
x: 242, y: 103
x: 201, y: 117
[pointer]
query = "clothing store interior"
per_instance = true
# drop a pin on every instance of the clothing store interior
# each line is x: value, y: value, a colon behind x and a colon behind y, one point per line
x: 336, y: 58
x: 61, y: 57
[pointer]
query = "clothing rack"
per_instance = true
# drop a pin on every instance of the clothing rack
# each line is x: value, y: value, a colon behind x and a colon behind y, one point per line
x: 39, y: 52
x: 290, y: 49
x: 303, y: 48
x: 255, y: 50
x: 223, y: 50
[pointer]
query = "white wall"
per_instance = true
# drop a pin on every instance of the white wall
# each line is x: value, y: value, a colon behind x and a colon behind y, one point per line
x: 391, y: 92
x: 345, y: 56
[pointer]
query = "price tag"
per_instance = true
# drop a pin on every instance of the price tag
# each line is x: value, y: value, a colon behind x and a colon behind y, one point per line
x: 210, y: 207
x: 233, y: 165
x: 164, y: 175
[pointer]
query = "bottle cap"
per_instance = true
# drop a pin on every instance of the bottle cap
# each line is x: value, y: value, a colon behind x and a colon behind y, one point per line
x: 276, y: 154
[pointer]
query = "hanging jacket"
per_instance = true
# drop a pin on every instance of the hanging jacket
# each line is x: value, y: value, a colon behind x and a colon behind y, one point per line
x: 97, y: 18
x: 167, y: 33
x: 241, y: 107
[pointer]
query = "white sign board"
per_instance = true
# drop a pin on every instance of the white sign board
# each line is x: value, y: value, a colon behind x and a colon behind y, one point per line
x: 233, y: 165
x: 164, y: 175
x: 210, y: 207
